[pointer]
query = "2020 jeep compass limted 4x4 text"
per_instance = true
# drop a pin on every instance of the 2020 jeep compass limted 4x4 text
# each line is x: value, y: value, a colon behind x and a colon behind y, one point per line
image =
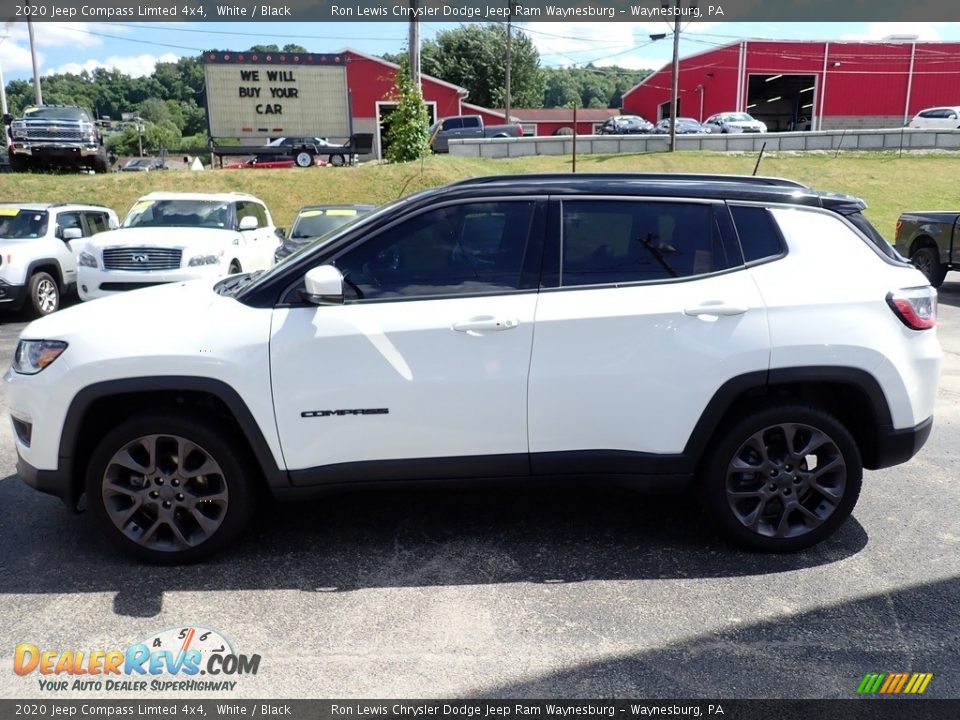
x: 669, y: 329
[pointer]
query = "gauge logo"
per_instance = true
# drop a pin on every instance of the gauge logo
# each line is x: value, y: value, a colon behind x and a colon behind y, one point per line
x: 185, y: 658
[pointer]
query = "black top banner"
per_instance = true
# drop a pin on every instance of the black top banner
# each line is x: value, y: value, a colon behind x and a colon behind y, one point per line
x: 488, y: 709
x: 488, y: 10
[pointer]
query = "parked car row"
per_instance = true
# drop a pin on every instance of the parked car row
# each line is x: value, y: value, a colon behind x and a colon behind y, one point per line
x: 49, y: 250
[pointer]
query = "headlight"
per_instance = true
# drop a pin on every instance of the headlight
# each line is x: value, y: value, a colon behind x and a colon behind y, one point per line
x: 32, y: 356
x: 87, y: 260
x: 203, y: 260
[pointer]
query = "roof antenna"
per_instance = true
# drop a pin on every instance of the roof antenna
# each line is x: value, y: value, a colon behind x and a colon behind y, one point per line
x: 757, y: 166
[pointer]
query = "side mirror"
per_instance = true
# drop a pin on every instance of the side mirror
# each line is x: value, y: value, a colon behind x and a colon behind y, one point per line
x: 281, y: 233
x: 324, y: 286
x: 72, y: 234
x: 248, y: 223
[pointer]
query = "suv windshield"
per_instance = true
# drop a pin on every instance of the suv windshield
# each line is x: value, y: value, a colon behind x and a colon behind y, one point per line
x: 18, y: 224
x: 56, y: 113
x: 180, y: 213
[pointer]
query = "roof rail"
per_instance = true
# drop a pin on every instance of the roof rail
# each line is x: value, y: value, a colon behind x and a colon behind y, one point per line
x: 623, y: 177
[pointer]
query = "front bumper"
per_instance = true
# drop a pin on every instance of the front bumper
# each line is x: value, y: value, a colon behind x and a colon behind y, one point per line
x: 898, y: 446
x: 54, y: 149
x: 12, y: 295
x: 95, y: 283
x: 52, y: 482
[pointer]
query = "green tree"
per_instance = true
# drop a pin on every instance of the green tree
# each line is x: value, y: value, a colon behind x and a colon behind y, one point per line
x: 407, y: 126
x: 474, y: 56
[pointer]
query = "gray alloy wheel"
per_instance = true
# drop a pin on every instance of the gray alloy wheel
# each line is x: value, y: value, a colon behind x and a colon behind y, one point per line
x: 786, y: 480
x: 780, y: 477
x: 44, y: 294
x: 164, y: 492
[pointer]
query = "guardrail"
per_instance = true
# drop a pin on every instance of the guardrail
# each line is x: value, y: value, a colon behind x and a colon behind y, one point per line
x: 888, y: 139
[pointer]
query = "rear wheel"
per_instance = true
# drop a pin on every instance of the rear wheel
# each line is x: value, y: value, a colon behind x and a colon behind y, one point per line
x: 304, y: 159
x: 44, y: 293
x: 782, y: 478
x: 338, y: 160
x: 927, y: 261
x: 169, y: 488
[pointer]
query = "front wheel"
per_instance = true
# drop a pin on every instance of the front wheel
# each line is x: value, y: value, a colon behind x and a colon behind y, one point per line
x: 44, y: 294
x: 782, y: 479
x: 168, y: 488
x: 304, y: 159
x: 927, y: 261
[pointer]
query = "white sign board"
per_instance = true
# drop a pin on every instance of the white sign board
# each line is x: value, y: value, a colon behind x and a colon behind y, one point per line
x: 251, y: 100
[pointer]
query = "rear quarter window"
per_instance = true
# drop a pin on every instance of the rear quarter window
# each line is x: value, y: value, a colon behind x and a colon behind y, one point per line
x: 760, y: 238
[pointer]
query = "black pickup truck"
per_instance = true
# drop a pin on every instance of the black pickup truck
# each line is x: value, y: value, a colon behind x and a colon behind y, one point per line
x: 930, y: 240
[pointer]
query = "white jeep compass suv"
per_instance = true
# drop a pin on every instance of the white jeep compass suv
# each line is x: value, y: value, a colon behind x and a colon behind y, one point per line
x: 675, y: 330
x: 170, y: 236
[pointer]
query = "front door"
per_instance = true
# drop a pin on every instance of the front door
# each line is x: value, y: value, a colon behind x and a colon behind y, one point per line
x: 423, y: 370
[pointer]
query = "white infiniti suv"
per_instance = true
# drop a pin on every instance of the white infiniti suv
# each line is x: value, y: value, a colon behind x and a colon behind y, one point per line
x: 677, y: 331
x: 170, y: 236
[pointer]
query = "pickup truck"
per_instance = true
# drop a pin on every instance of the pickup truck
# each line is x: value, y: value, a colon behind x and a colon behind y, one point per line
x: 56, y: 136
x: 460, y: 127
x: 929, y: 240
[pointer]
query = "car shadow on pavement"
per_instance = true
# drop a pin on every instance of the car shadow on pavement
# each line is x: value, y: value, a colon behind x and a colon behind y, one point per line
x: 393, y: 538
x: 820, y: 653
x: 949, y: 292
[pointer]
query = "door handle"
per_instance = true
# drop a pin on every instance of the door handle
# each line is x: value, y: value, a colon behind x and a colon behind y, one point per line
x: 485, y: 322
x: 717, y: 308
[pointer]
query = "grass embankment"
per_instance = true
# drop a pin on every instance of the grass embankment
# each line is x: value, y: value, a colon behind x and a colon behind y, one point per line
x: 890, y: 184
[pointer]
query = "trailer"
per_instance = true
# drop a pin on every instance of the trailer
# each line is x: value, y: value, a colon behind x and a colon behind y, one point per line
x: 301, y: 150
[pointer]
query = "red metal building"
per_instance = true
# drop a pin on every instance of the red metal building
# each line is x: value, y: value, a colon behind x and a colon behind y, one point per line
x: 794, y: 84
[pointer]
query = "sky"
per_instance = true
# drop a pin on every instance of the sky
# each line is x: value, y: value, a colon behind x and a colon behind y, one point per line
x: 135, y: 48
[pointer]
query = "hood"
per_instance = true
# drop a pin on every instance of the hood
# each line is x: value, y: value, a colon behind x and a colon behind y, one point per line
x: 164, y: 237
x: 138, y: 315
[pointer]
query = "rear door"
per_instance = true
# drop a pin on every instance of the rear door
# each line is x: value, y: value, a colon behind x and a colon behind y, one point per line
x: 646, y: 312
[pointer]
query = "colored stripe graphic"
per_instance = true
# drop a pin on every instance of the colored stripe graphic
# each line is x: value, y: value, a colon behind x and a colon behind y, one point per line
x: 894, y: 683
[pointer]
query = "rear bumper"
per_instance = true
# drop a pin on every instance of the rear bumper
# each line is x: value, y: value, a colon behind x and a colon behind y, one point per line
x: 898, y: 446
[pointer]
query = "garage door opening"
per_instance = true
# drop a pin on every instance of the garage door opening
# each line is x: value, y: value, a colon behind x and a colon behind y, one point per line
x: 783, y: 102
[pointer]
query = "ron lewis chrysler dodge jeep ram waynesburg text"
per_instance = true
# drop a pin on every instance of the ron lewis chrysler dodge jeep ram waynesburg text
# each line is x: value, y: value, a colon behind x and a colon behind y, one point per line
x: 673, y: 330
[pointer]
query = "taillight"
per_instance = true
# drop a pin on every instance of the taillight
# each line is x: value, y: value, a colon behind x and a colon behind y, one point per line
x: 916, y: 307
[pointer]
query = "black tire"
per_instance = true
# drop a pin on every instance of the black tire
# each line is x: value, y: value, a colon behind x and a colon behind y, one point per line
x: 100, y: 163
x: 927, y: 260
x: 224, y: 496
x: 304, y: 159
x: 19, y: 163
x: 44, y: 294
x: 338, y: 160
x: 777, y: 502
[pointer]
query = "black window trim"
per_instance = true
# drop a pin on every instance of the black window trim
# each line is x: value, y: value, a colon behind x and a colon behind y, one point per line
x: 537, y: 224
x: 714, y: 203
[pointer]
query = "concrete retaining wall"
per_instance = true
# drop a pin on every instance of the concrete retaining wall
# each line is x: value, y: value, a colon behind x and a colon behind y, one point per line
x: 892, y: 139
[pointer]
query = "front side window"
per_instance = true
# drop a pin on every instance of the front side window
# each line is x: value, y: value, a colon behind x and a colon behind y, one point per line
x: 618, y: 241
x: 69, y: 220
x: 454, y: 250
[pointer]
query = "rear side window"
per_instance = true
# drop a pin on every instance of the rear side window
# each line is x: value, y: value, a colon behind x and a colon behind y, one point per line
x: 613, y: 241
x: 867, y: 228
x: 759, y: 236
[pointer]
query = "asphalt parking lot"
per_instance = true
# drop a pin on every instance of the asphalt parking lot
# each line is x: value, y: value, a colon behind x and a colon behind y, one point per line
x: 538, y: 593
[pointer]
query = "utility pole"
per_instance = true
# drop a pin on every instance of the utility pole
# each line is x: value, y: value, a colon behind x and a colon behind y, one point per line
x: 509, y: 60
x: 413, y: 45
x: 33, y: 56
x: 676, y: 77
